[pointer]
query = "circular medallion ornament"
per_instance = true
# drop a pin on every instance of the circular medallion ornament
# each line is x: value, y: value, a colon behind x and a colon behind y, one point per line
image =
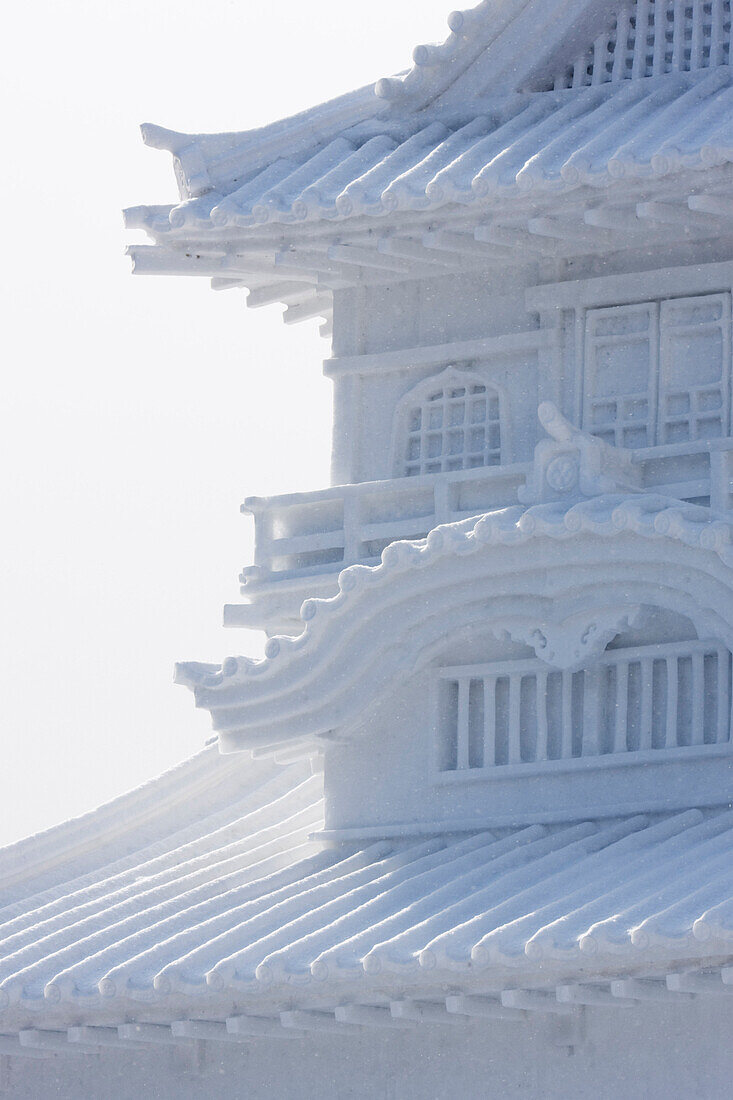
x: 562, y: 473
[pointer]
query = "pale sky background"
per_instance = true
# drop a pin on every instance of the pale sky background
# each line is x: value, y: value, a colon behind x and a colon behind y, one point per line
x: 137, y: 413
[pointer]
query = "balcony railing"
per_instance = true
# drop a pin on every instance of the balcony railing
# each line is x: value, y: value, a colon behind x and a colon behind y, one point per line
x: 303, y: 540
x: 652, y: 698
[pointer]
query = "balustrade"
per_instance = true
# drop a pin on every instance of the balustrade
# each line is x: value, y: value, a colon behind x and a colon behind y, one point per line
x: 303, y: 540
x: 651, y: 698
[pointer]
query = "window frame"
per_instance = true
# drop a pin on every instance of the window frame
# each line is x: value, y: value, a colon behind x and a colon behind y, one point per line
x: 659, y: 335
x: 417, y: 396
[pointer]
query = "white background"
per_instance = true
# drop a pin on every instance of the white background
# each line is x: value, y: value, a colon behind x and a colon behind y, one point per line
x: 138, y: 412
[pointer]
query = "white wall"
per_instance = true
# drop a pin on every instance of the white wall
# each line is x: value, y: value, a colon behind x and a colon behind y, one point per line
x: 378, y: 320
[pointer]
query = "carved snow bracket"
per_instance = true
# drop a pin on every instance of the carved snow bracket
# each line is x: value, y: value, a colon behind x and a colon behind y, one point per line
x: 573, y: 464
x: 574, y: 642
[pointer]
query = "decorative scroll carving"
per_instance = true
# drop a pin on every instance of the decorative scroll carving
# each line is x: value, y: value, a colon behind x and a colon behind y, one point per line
x: 573, y: 463
x: 574, y: 642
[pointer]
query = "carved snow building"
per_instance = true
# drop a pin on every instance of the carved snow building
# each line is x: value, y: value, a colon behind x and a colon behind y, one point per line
x: 483, y: 775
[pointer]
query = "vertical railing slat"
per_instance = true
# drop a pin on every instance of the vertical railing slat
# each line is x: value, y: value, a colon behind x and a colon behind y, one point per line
x: 515, y: 727
x: 600, y: 56
x: 591, y: 711
x: 541, y: 749
x: 464, y: 686
x: 647, y: 702
x: 678, y: 36
x: 489, y: 683
x: 621, y: 52
x: 638, y: 68
x: 722, y: 666
x: 659, y: 14
x: 670, y: 728
x: 697, y: 710
x: 566, y: 736
x: 716, y: 34
x: 697, y: 33
x: 622, y: 707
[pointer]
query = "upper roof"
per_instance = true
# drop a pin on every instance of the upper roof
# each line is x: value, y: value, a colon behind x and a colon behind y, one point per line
x: 525, y: 101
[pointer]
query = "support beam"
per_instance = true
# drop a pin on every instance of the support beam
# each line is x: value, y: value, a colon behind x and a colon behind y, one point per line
x: 99, y: 1037
x: 644, y: 989
x: 260, y: 1026
x: 149, y: 1033
x: 10, y: 1046
x: 719, y: 205
x: 700, y: 982
x: 228, y: 284
x: 279, y: 292
x: 367, y: 257
x: 54, y: 1041
x: 483, y: 1008
x: 535, y: 1000
x: 320, y: 306
x: 515, y: 239
x: 315, y: 267
x: 414, y: 251
x: 671, y: 214
x: 209, y: 1030
x: 573, y: 234
x: 464, y: 244
x: 609, y: 217
x: 371, y: 1016
x: 303, y: 1020
x: 590, y: 995
x: 423, y: 1012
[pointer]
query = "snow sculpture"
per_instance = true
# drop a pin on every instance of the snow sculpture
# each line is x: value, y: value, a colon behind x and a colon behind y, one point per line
x: 483, y: 773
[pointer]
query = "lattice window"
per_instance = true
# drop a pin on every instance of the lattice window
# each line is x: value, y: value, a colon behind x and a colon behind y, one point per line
x: 651, y: 37
x: 649, y: 698
x: 452, y: 422
x: 695, y: 350
x: 621, y: 360
x: 658, y: 373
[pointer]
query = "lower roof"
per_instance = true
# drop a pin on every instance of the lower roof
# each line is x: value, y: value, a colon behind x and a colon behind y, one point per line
x: 250, y: 913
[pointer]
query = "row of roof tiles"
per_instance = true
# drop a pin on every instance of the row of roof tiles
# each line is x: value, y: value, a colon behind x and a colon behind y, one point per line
x: 546, y: 141
x: 263, y: 911
x: 152, y: 892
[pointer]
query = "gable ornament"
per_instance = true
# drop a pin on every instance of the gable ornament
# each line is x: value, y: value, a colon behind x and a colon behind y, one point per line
x: 576, y: 641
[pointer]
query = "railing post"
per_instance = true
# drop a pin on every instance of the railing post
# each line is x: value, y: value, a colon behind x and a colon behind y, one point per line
x: 721, y: 480
x: 441, y: 499
x: 263, y: 521
x: 352, y: 524
x: 462, y: 746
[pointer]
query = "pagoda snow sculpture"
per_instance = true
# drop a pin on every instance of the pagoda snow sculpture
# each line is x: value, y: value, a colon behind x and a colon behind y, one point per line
x: 471, y: 814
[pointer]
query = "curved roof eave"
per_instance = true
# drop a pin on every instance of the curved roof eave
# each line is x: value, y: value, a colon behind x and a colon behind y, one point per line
x: 268, y: 703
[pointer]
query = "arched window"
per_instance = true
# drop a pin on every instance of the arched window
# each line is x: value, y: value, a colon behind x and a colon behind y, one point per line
x: 450, y: 422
